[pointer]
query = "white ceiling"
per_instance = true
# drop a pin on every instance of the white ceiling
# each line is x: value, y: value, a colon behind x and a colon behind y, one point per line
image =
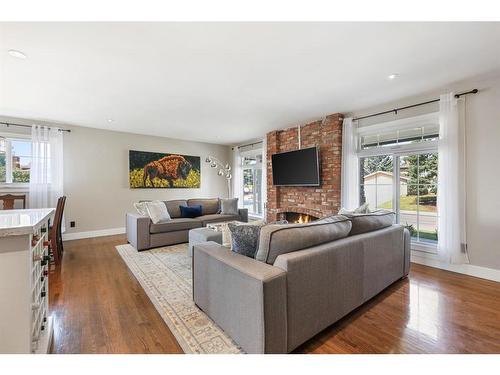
x: 228, y: 82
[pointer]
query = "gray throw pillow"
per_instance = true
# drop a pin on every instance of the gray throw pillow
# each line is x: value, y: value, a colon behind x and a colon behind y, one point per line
x: 229, y: 206
x: 244, y: 238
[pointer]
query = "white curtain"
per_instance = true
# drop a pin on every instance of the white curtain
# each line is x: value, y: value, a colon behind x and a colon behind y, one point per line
x: 237, y: 180
x: 450, y: 197
x: 46, y: 172
x: 349, y: 193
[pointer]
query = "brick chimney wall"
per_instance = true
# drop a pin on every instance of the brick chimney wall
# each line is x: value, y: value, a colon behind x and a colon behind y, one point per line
x: 317, y: 201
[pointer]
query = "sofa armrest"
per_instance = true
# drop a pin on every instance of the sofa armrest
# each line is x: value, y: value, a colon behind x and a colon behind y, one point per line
x: 243, y: 212
x: 138, y: 230
x: 245, y: 297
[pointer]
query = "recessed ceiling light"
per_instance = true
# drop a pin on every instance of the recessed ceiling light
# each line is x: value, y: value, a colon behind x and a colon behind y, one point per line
x: 17, y: 54
x: 392, y: 76
x: 110, y: 120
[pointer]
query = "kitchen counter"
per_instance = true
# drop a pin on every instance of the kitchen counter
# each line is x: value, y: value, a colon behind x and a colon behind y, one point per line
x: 21, y: 222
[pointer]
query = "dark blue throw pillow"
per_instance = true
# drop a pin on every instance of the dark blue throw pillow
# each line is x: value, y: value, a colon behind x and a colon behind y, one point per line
x: 190, y: 212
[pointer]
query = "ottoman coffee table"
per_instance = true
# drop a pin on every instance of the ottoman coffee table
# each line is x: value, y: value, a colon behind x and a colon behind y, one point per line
x: 199, y: 235
x: 217, y: 232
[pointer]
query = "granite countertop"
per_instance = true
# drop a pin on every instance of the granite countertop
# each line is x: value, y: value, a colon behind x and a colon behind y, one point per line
x: 20, y: 222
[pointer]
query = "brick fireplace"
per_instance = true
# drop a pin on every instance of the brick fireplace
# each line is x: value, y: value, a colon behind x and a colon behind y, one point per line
x: 316, y: 201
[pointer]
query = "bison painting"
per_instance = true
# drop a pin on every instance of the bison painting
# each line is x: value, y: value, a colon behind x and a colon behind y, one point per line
x: 156, y: 170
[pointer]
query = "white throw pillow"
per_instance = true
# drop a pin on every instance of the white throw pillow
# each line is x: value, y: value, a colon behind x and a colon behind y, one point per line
x: 363, y: 209
x: 157, y: 211
x: 141, y: 208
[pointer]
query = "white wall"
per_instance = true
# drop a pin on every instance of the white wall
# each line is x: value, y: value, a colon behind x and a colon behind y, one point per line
x: 96, y: 174
x: 483, y: 161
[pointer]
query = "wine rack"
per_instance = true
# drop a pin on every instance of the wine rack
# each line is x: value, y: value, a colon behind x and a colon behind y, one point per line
x: 25, y: 323
x: 39, y: 285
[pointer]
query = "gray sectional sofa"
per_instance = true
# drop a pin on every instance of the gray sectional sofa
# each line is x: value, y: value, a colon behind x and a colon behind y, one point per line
x: 303, y: 278
x: 143, y: 234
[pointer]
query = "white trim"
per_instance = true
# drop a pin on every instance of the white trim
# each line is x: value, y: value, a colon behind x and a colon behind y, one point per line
x: 93, y: 233
x: 424, y: 247
x: 404, y: 123
x: 20, y: 136
x: 432, y: 260
x: 412, y: 148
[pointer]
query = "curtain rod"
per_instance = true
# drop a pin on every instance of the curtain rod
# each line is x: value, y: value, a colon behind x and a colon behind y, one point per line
x: 29, y: 126
x: 395, y: 110
x: 250, y: 144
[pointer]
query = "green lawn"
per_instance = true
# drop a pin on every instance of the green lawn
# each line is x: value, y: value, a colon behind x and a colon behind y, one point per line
x: 409, y: 203
x: 428, y: 235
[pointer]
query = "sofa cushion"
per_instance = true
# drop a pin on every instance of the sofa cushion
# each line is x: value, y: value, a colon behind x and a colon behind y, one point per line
x: 190, y: 211
x: 245, y: 238
x: 229, y: 206
x: 174, y: 225
x: 362, y: 223
x: 173, y: 207
x: 363, y: 209
x: 215, y: 218
x: 157, y: 212
x: 208, y: 206
x: 277, y: 239
x: 141, y: 208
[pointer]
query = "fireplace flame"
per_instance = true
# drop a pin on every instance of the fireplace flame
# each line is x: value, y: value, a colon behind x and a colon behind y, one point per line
x: 303, y: 219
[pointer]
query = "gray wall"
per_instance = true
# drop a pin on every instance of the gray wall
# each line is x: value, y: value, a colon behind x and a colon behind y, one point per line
x: 96, y: 174
x: 483, y: 161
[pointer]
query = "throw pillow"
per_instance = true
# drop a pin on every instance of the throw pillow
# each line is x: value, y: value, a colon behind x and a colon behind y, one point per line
x: 363, y: 209
x: 229, y: 206
x: 141, y: 208
x: 244, y: 238
x: 190, y: 212
x: 157, y: 211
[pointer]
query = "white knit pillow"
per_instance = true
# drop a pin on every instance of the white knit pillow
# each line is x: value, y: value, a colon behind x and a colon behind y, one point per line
x: 141, y: 208
x: 157, y: 211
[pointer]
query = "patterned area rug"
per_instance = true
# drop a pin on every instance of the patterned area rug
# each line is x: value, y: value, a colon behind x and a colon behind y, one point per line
x: 165, y: 275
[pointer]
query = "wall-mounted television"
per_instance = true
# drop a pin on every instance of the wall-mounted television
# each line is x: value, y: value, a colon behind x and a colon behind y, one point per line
x: 296, y: 168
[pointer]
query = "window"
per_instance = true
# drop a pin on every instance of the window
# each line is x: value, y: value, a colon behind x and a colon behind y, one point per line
x: 252, y: 181
x: 398, y: 171
x: 15, y: 160
x: 417, y: 135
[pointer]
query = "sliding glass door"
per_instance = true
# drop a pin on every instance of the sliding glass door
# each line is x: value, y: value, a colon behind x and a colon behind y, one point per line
x: 406, y: 184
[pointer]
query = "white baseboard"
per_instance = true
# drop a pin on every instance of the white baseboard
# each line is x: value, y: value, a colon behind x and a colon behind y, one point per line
x: 93, y: 233
x: 467, y: 269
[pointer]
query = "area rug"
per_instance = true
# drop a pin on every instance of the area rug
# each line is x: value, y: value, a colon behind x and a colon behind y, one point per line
x: 165, y: 275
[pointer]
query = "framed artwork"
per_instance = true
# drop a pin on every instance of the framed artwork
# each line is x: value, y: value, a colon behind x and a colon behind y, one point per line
x: 168, y: 171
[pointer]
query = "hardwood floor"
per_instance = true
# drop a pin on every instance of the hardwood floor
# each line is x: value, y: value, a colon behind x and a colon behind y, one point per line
x: 99, y: 307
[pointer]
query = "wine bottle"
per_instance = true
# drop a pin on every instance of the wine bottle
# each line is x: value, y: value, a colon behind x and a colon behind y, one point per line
x: 43, y: 294
x: 45, y: 273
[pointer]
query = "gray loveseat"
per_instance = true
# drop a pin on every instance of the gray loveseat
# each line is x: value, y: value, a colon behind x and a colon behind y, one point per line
x: 304, y: 278
x: 143, y: 234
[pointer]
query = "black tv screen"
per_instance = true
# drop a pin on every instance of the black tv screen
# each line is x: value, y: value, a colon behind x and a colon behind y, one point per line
x: 296, y: 168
